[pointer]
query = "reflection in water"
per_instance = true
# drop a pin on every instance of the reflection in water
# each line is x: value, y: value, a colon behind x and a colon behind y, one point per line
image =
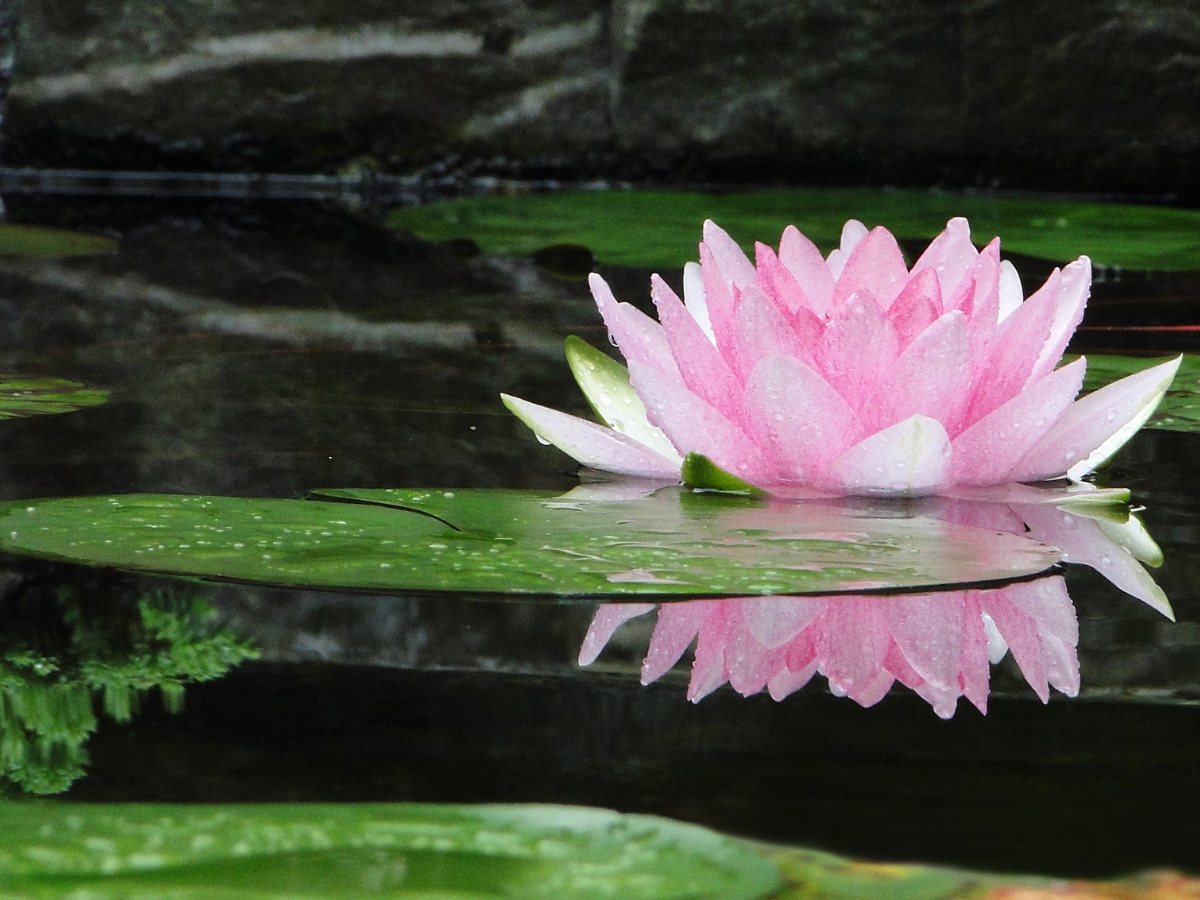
x: 937, y: 644
x: 66, y: 644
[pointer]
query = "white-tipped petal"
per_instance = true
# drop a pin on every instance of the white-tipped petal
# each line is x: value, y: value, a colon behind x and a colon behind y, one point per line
x: 591, y: 444
x: 695, y: 299
x: 1133, y: 536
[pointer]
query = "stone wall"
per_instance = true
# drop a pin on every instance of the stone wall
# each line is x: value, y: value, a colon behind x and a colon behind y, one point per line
x: 1088, y: 95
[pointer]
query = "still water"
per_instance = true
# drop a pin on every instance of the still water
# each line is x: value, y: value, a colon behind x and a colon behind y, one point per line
x: 270, y: 350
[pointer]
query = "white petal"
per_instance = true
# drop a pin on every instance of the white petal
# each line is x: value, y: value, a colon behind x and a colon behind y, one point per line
x: 591, y: 444
x: 695, y: 300
x: 909, y: 458
x: 997, y: 647
x: 1012, y: 295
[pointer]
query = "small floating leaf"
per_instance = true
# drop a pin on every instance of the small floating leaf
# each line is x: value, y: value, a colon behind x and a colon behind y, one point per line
x: 582, y: 544
x: 21, y: 396
x: 144, y: 851
x: 49, y: 243
x: 661, y: 228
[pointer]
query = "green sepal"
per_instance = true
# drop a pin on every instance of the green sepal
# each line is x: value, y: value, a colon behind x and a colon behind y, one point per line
x: 702, y: 474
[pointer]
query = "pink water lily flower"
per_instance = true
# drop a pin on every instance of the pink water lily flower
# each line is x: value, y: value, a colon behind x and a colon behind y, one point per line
x: 851, y: 373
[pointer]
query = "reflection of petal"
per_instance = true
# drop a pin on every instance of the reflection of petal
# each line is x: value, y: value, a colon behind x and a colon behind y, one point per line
x: 935, y: 644
x: 609, y: 617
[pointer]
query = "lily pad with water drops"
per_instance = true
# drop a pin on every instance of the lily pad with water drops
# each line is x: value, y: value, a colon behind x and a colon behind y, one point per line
x: 592, y: 542
x: 146, y: 851
x: 22, y: 396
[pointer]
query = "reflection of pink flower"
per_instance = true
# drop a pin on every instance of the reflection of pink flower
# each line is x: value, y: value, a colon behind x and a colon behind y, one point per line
x: 853, y: 374
x: 936, y: 644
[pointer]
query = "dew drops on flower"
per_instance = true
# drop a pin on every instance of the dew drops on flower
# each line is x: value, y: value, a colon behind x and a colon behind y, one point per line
x: 851, y: 373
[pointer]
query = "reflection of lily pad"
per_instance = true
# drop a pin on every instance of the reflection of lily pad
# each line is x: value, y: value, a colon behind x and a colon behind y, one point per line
x: 644, y: 228
x: 401, y: 851
x: 21, y: 396
x: 48, y: 243
x: 1180, y: 408
x: 513, y: 542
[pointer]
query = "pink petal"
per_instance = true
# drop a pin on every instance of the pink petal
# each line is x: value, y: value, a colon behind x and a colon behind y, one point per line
x: 803, y: 421
x: 801, y: 257
x: 1011, y: 357
x: 608, y: 618
x: 1049, y: 607
x: 910, y: 458
x: 950, y: 254
x: 987, y: 452
x: 1096, y: 426
x: 787, y: 682
x: 718, y: 299
x: 927, y: 629
x: 974, y: 672
x: 735, y: 268
x: 677, y: 625
x: 591, y: 444
x: 1021, y: 635
x: 703, y: 369
x: 852, y: 643
x: 857, y: 349
x: 917, y: 307
x: 1070, y: 300
x: 869, y: 693
x: 760, y: 330
x: 777, y: 282
x: 775, y: 621
x: 876, y: 265
x: 852, y: 233
x: 695, y: 426
x: 708, y: 666
x: 912, y: 387
x: 637, y: 335
x: 983, y: 305
x: 748, y: 664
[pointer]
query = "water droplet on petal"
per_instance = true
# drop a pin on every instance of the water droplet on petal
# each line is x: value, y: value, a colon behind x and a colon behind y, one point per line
x: 541, y: 440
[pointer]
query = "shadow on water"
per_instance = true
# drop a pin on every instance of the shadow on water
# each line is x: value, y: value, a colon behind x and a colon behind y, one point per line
x: 269, y: 351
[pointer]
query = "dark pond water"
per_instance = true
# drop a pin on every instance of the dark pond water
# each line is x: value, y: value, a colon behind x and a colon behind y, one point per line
x: 270, y: 350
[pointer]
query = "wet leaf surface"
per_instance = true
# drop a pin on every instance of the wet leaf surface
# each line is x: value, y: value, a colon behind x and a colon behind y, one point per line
x: 587, y: 543
x: 21, y: 396
x: 402, y: 850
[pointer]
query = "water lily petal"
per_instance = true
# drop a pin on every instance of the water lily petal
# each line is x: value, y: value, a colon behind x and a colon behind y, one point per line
x: 803, y: 260
x: 988, y: 451
x: 852, y: 232
x: 702, y: 367
x: 608, y: 618
x: 786, y: 681
x: 760, y: 330
x: 910, y: 458
x: 950, y: 255
x: 1020, y: 633
x: 917, y: 307
x: 852, y: 643
x: 927, y: 629
x: 775, y: 621
x: 876, y: 264
x: 735, y: 267
x: 605, y: 383
x: 974, y: 673
x: 708, y: 665
x: 858, y: 348
x: 591, y: 444
x: 798, y: 417
x: 1070, y: 296
x: 695, y: 426
x: 694, y: 299
x: 777, y: 282
x: 1012, y: 294
x: 636, y: 334
x: 718, y: 299
x: 677, y: 625
x: 943, y: 348
x: 1097, y: 426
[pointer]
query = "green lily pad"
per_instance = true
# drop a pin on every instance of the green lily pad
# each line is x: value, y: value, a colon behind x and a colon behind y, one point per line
x: 50, y: 243
x: 662, y: 228
x: 21, y: 396
x: 144, y: 851
x: 587, y: 543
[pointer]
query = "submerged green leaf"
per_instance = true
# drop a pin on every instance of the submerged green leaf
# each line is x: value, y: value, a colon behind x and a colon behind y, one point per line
x: 592, y: 542
x: 662, y: 228
x: 149, y: 851
x: 22, y: 396
x: 48, y: 243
